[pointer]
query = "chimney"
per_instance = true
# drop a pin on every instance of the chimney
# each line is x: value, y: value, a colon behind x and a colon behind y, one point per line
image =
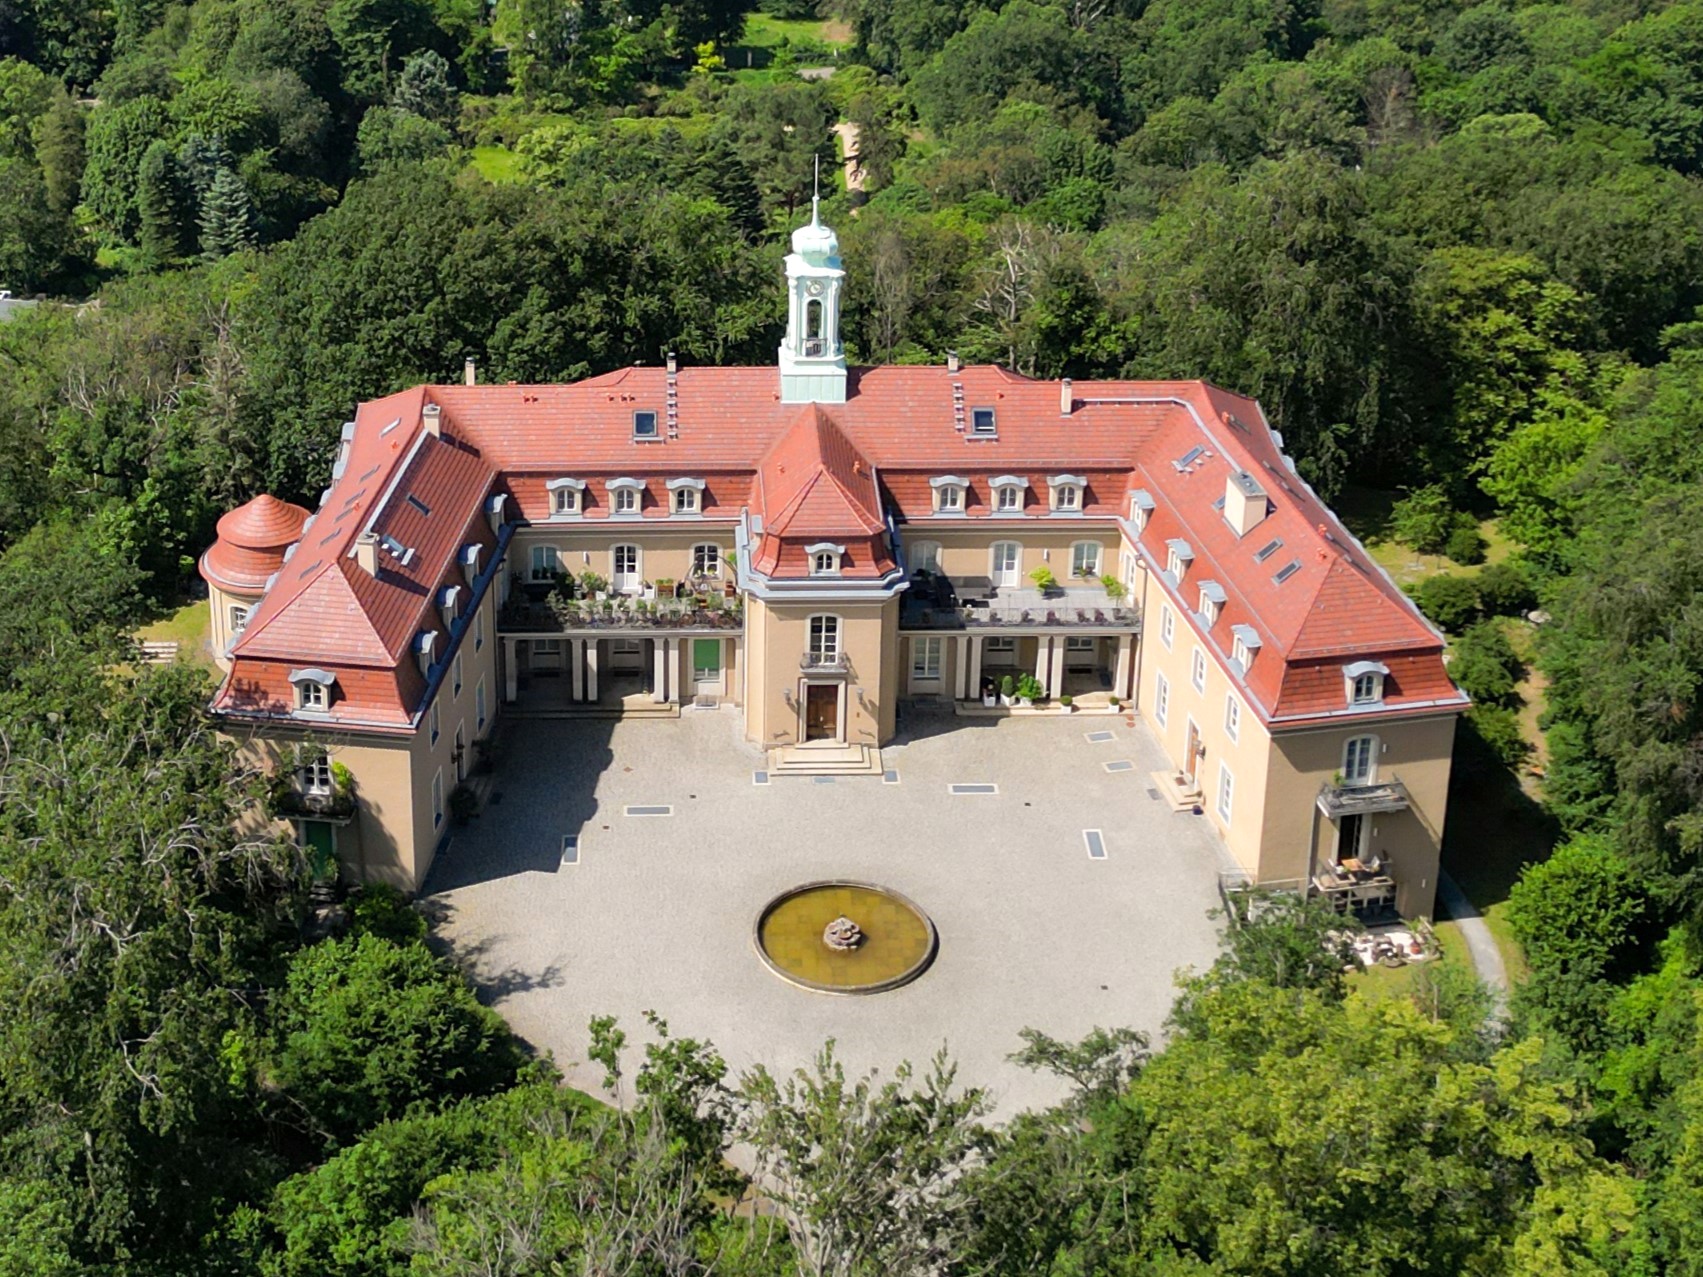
x: 952, y: 362
x: 673, y: 364
x: 1244, y: 502
x: 1065, y: 402
x: 366, y: 552
x: 432, y: 418
x: 470, y: 372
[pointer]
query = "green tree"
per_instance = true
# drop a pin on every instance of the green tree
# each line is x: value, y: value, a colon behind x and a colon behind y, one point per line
x: 118, y: 137
x: 424, y: 88
x: 32, y: 237
x: 227, y: 216
x: 59, y: 151
x: 160, y: 203
x: 1483, y: 662
x: 1449, y: 599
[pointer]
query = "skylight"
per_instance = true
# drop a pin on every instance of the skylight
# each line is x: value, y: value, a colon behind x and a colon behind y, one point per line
x: 1188, y: 458
x: 1288, y: 570
x: 644, y: 423
x: 982, y: 421
x: 418, y: 504
x: 1268, y: 549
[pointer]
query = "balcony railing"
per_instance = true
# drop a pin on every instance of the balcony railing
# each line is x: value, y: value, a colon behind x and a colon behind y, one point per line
x: 555, y: 615
x: 966, y: 603
x: 1339, y: 799
x: 824, y: 663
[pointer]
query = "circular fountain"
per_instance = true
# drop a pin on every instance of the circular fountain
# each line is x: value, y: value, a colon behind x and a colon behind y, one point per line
x: 844, y: 937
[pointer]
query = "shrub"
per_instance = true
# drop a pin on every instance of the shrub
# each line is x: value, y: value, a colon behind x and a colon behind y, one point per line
x: 382, y: 911
x: 1008, y: 686
x: 1484, y: 664
x: 1449, y: 600
x: 1029, y: 688
x: 1492, y: 737
x: 1424, y: 519
x: 1505, y: 589
x: 1465, y: 544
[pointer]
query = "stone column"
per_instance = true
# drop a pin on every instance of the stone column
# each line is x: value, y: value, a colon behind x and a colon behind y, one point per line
x: 1055, y: 674
x: 511, y: 672
x: 975, y: 679
x: 671, y: 667
x: 1044, y: 659
x: 961, y: 667
x: 576, y: 669
x: 591, y: 669
x: 1120, y: 678
x: 659, y: 670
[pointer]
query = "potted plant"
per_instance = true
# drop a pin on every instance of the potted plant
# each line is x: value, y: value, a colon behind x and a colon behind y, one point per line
x: 1114, y: 588
x: 1044, y: 579
x: 1067, y: 703
x: 989, y: 698
x: 1029, y: 690
x: 1115, y: 702
x: 1007, y: 691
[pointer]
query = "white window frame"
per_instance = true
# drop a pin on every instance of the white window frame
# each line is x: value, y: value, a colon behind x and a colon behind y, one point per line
x: 1373, y: 685
x: 1197, y: 670
x: 1008, y: 499
x: 994, y: 567
x: 685, y: 501
x: 1174, y: 564
x: 626, y: 582
x: 1066, y: 493
x: 238, y: 617
x: 626, y: 501
x: 437, y: 798
x: 1370, y: 775
x: 824, y: 563
x: 1232, y: 718
x: 824, y: 636
x: 1167, y: 626
x: 1226, y: 792
x: 949, y: 498
x: 706, y: 564
x: 479, y: 630
x: 552, y: 556
x: 654, y: 431
x: 1161, y: 699
x: 314, y: 776
x: 1098, y: 557
x: 926, y: 657
x: 565, y: 499
x: 312, y: 695
x: 925, y: 562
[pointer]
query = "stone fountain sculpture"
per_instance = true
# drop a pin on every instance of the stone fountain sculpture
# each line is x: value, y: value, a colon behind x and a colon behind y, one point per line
x: 842, y: 934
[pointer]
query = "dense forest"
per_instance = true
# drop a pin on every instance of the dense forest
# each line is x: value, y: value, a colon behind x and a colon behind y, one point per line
x: 1455, y: 251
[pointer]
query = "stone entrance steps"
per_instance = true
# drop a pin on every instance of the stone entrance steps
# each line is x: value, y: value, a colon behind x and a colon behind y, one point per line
x: 825, y: 760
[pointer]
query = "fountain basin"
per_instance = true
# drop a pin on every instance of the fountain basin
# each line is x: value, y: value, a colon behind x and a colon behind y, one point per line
x: 897, y: 943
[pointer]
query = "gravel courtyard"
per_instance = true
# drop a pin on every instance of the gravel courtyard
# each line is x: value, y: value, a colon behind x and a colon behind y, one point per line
x: 657, y: 912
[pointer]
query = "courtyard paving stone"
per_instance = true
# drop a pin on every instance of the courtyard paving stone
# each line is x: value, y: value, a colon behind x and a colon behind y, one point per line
x: 657, y: 913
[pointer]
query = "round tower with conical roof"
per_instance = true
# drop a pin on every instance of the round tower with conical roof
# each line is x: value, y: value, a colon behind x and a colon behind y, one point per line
x: 237, y: 567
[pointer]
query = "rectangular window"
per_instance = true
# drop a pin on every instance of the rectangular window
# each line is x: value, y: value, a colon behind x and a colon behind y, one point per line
x: 1167, y: 625
x: 437, y: 798
x: 312, y: 694
x: 479, y: 706
x: 706, y: 560
x: 546, y: 563
x: 925, y: 556
x: 624, y: 567
x: 1197, y: 670
x: 479, y: 630
x: 925, y: 658
x: 457, y: 689
x: 1226, y: 792
x: 982, y: 421
x: 1366, y: 689
x: 316, y: 775
x: 1085, y: 559
x: 1161, y: 698
x: 432, y: 723
x: 1007, y: 564
x: 1068, y: 496
x: 825, y: 637
x: 997, y: 643
x: 1357, y: 761
x: 239, y: 618
x: 951, y: 497
x: 564, y: 500
x: 644, y: 424
x: 686, y: 500
x: 1232, y: 717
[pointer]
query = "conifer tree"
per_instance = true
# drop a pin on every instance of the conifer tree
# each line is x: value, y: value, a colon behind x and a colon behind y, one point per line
x: 59, y: 152
x: 159, y: 203
x: 227, y: 216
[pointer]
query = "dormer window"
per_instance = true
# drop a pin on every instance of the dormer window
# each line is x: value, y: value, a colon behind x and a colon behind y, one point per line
x: 644, y: 424
x: 1008, y: 493
x: 1365, y: 682
x: 1244, y: 644
x: 825, y: 558
x: 449, y: 604
x: 425, y: 650
x: 566, y: 495
x: 1140, y: 509
x: 470, y: 556
x: 1211, y: 600
x: 686, y: 495
x: 983, y: 422
x: 626, y: 495
x: 1178, y: 555
x: 1066, y: 490
x: 313, y: 689
x: 949, y: 493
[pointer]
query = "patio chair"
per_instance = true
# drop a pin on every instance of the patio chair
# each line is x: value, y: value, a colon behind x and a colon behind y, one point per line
x: 1099, y: 617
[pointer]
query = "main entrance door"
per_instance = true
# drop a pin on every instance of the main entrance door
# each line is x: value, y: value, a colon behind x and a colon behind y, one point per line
x: 821, y: 711
x: 1191, y: 751
x: 706, y: 666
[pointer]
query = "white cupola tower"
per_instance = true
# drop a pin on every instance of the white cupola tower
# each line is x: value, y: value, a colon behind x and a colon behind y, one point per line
x: 813, y: 363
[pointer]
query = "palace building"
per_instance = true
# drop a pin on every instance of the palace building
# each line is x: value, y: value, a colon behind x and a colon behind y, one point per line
x: 819, y: 548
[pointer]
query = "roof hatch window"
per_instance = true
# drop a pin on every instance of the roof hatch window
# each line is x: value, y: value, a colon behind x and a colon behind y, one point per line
x: 1288, y: 570
x: 1268, y: 549
x: 644, y: 423
x: 1189, y: 458
x: 982, y: 422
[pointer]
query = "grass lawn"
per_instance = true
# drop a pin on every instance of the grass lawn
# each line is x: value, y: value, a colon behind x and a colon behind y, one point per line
x: 751, y: 57
x: 190, y: 626
x: 1400, y: 982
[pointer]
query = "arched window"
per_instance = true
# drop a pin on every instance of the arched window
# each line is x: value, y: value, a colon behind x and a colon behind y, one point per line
x: 1359, y: 760
x: 813, y: 319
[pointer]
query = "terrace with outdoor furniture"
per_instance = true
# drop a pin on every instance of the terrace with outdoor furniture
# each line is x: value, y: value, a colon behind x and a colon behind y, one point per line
x: 935, y: 602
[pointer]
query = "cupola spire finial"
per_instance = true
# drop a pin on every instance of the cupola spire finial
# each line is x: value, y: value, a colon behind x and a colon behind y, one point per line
x: 816, y: 194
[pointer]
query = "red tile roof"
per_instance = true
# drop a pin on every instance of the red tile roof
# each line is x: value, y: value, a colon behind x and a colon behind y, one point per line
x: 251, y: 544
x: 818, y: 473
